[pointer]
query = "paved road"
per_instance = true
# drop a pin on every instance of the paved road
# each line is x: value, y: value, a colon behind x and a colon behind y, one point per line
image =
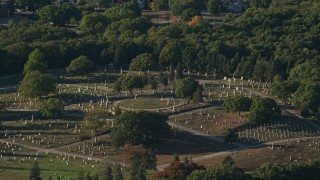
x: 192, y: 131
x: 220, y: 139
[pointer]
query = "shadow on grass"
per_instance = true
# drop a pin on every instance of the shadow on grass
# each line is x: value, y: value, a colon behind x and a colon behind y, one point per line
x: 187, y: 143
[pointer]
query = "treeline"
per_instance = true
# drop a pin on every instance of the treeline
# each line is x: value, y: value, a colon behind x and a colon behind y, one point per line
x: 263, y: 43
x: 228, y: 170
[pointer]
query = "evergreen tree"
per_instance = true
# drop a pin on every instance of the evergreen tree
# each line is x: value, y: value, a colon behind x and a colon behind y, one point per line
x: 117, y: 173
x: 81, y: 175
x: 35, y: 62
x: 107, y: 174
x: 35, y: 172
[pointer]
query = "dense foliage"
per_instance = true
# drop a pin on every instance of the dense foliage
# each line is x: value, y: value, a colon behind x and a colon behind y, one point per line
x: 264, y: 110
x: 35, y: 84
x: 52, y: 108
x: 186, y: 88
x: 237, y: 103
x: 80, y: 66
x: 271, y: 40
x: 145, y: 128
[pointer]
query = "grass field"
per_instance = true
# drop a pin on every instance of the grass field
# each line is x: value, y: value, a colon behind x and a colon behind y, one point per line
x: 287, y: 152
x: 145, y: 103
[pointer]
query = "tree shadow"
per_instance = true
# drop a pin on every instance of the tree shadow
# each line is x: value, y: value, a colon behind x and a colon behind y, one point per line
x: 186, y: 143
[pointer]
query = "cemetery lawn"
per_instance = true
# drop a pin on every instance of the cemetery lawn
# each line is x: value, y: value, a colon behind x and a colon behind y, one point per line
x: 49, y: 165
x: 186, y: 144
x: 144, y: 103
x: 216, y: 120
x: 248, y: 160
x: 215, y: 123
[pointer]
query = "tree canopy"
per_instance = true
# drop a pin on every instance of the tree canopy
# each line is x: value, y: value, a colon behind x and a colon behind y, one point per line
x: 35, y: 84
x: 264, y: 110
x: 59, y: 14
x: 143, y: 127
x: 36, y: 62
x: 142, y: 62
x: 237, y: 103
x: 185, y: 88
x: 129, y: 83
x: 79, y: 66
x: 52, y: 108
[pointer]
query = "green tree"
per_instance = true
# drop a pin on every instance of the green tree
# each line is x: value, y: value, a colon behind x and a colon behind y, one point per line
x: 79, y: 66
x: 185, y: 88
x: 107, y: 173
x: 261, y: 3
x: 306, y: 72
x: 153, y: 82
x: 123, y: 11
x: 32, y: 5
x: 197, y: 96
x: 128, y: 83
x: 35, y: 172
x: 143, y: 127
x: 52, y: 108
x: 187, y: 14
x: 140, y: 160
x: 35, y: 62
x: 155, y: 6
x: 81, y: 175
x: 306, y: 99
x: 118, y: 140
x: 59, y: 14
x: 230, y: 136
x: 213, y: 6
x: 163, y: 78
x: 102, y: 3
x: 52, y: 14
x: 178, y: 170
x: 284, y: 89
x: 237, y: 103
x: 228, y: 162
x: 178, y: 6
x: 227, y: 171
x: 117, y: 172
x: 264, y: 110
x: 95, y: 119
x: 35, y: 84
x: 94, y: 23
x: 170, y: 55
x: 263, y: 71
x: 142, y: 62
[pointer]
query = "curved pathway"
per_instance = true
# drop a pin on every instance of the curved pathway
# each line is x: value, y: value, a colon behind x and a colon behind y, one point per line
x: 190, y: 130
x: 244, y: 147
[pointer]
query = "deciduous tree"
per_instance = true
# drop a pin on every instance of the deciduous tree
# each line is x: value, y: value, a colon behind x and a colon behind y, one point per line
x: 80, y: 66
x: 36, y: 62
x: 264, y: 110
x: 52, y: 108
x: 35, y: 84
x: 145, y: 128
x: 186, y: 87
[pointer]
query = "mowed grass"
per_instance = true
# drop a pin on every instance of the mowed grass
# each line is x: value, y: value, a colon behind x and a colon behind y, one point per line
x: 282, y: 153
x: 50, y: 165
x: 145, y: 103
x: 186, y: 144
x: 213, y: 121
